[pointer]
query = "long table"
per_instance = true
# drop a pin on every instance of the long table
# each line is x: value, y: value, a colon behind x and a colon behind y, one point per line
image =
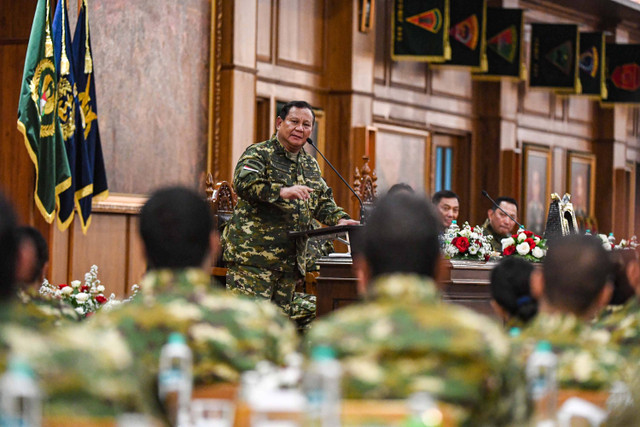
x: 461, y: 282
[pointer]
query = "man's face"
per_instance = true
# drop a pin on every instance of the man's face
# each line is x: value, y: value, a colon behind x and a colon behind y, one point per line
x: 500, y: 222
x: 293, y: 131
x: 448, y: 208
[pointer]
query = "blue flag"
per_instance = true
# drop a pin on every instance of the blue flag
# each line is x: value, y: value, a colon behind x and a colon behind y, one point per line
x: 91, y: 177
x: 66, y: 110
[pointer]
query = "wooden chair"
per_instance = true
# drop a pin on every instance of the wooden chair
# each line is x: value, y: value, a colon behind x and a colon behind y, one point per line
x: 222, y: 200
x: 365, y: 185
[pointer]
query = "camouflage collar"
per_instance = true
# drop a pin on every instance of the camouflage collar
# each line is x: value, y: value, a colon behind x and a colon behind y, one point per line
x: 167, y: 281
x: 409, y: 287
x: 280, y: 148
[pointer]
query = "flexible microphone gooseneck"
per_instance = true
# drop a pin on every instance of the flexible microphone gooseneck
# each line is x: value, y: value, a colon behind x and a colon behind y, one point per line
x: 310, y: 141
x: 485, y: 194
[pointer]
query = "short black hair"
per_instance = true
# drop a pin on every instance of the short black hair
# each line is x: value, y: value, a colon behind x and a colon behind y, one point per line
x: 400, y: 186
x: 504, y: 199
x: 510, y: 288
x: 443, y: 194
x: 175, y: 225
x: 401, y: 235
x: 622, y: 289
x: 27, y: 233
x: 576, y: 269
x: 284, y: 111
x: 8, y: 249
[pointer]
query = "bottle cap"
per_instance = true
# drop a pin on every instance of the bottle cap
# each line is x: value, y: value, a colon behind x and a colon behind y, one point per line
x: 543, y: 345
x: 454, y: 222
x: 610, y: 234
x: 20, y: 366
x: 514, y: 332
x: 322, y: 352
x: 176, y: 338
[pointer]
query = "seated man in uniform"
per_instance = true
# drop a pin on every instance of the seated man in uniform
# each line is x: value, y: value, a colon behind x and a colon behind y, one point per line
x: 498, y: 223
x: 403, y: 339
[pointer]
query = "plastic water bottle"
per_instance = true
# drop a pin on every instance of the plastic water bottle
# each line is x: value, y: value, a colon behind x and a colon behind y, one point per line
x: 321, y: 385
x: 175, y: 379
x: 612, y: 240
x: 588, y: 232
x: 20, y: 396
x: 541, y: 378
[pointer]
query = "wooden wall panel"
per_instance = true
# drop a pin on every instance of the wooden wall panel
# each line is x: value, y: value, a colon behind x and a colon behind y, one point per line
x: 407, y: 74
x: 150, y: 63
x: 300, y: 39
x: 264, y: 29
x: 536, y: 102
x: 451, y: 82
x: 392, y: 163
x: 580, y: 109
x: 137, y: 264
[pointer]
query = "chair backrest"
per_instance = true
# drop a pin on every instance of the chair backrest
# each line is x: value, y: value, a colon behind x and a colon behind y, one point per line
x: 222, y: 199
x: 365, y: 185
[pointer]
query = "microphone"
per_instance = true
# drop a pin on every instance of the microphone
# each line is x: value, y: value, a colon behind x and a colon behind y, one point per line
x: 485, y: 194
x: 362, y: 219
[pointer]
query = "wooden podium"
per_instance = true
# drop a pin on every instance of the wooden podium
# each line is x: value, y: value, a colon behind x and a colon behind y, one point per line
x: 461, y: 282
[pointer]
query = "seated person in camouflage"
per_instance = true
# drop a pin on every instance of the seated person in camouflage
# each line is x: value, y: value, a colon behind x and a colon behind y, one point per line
x: 228, y: 334
x: 80, y: 375
x: 403, y: 339
x: 280, y: 189
x: 498, y: 223
x: 573, y: 286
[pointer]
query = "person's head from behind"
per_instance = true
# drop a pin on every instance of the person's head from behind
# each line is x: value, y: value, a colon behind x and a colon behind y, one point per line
x: 400, y: 187
x: 448, y: 204
x: 511, y: 291
x: 499, y: 220
x: 576, y: 277
x: 33, y: 256
x: 626, y: 275
x: 400, y: 236
x: 294, y: 125
x: 177, y: 229
x: 8, y: 249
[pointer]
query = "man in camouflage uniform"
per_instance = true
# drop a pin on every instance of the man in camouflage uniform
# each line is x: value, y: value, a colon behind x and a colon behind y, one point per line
x: 228, y: 334
x: 403, y: 339
x: 279, y: 189
x: 572, y: 288
x: 498, y: 224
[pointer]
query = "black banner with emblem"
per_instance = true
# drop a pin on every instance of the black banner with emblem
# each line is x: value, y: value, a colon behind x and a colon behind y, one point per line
x: 622, y: 66
x: 467, y: 21
x: 554, y: 59
x: 504, y: 44
x: 591, y: 64
x: 420, y: 30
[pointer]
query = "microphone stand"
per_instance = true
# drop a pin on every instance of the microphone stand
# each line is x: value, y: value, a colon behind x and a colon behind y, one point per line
x: 362, y: 219
x: 485, y: 194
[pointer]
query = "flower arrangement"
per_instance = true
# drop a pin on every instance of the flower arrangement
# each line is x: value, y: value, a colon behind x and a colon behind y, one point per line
x: 85, y: 298
x: 466, y: 243
x: 627, y: 244
x: 525, y: 244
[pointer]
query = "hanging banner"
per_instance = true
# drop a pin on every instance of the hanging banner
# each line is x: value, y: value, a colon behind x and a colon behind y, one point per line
x: 420, y: 30
x: 504, y: 45
x: 622, y: 68
x: 591, y: 64
x: 554, y: 58
x: 467, y: 20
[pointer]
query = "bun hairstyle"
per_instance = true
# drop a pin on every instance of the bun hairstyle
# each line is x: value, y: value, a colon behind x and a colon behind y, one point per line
x: 511, y: 290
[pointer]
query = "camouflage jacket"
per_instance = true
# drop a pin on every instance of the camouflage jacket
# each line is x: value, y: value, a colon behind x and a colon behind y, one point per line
x: 623, y: 323
x: 227, y: 334
x: 45, y: 310
x: 256, y: 235
x: 403, y: 339
x: 81, y: 373
x: 496, y: 242
x: 587, y: 359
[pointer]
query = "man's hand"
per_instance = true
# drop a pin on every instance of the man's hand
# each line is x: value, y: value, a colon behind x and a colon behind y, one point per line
x: 345, y: 221
x: 296, y: 192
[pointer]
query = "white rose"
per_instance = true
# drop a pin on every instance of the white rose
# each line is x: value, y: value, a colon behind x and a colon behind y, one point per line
x: 507, y: 242
x: 536, y: 239
x: 465, y: 233
x: 100, y: 288
x: 537, y: 252
x: 66, y: 290
x: 82, y: 297
x: 76, y: 283
x: 522, y: 237
x: 452, y: 250
x: 523, y: 248
x: 80, y: 310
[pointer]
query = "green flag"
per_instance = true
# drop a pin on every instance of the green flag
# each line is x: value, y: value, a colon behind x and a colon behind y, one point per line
x: 37, y: 118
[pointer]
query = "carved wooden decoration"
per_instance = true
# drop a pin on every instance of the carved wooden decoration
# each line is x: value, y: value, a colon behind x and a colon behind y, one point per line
x: 221, y: 196
x: 365, y: 182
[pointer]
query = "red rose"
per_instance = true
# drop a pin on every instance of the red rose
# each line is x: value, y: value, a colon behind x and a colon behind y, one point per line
x: 539, y: 238
x: 84, y: 288
x: 515, y: 236
x: 62, y: 286
x: 462, y: 243
x: 101, y: 299
x: 531, y: 243
x: 509, y: 250
x: 528, y: 233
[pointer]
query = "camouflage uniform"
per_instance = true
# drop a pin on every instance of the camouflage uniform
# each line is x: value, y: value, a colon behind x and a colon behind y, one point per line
x: 623, y: 323
x: 46, y: 311
x: 404, y: 339
x: 263, y: 261
x: 496, y: 242
x: 228, y: 334
x: 587, y: 359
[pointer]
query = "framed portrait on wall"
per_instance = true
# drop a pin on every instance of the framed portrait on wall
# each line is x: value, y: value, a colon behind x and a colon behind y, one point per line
x: 537, y: 186
x: 367, y: 12
x: 581, y: 179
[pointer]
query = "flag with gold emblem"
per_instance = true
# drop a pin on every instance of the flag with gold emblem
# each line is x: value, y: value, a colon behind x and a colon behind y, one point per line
x: 467, y: 25
x: 66, y: 110
x: 91, y: 178
x: 622, y: 65
x: 554, y: 57
x: 420, y: 30
x: 505, y: 28
x: 37, y: 118
x: 591, y: 64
